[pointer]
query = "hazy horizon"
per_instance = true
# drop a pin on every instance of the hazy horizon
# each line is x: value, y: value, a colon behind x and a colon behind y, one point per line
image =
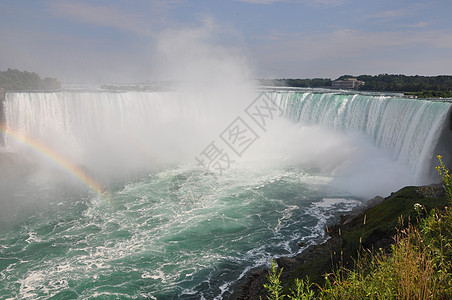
x: 135, y: 41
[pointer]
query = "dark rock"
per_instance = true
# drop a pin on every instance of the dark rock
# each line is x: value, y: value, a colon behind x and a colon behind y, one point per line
x: 251, y: 287
x: 286, y: 262
x: 431, y: 191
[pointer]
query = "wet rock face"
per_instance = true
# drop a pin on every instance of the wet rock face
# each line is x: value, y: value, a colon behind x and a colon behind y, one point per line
x: 443, y: 147
x: 431, y: 191
x: 2, y: 113
x: 252, y: 287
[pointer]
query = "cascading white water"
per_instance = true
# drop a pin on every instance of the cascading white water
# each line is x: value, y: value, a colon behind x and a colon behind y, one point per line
x: 406, y: 129
x: 121, y: 132
x: 111, y: 132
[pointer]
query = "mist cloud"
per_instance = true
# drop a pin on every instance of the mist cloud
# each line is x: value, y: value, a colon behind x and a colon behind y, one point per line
x: 196, y: 56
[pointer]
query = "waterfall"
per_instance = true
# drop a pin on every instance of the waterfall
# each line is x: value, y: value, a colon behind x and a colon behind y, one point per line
x: 407, y: 129
x: 144, y: 128
x: 113, y: 131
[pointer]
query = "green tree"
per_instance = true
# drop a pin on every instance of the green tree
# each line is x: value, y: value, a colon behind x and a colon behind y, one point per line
x: 15, y: 80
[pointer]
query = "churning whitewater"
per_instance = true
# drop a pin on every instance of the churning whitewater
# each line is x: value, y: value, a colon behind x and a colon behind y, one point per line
x: 105, y: 196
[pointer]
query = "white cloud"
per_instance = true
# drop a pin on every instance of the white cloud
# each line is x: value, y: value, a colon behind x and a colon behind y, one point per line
x: 139, y: 21
x: 262, y: 1
x: 393, y: 13
x: 398, y: 15
x: 328, y: 3
x: 421, y: 24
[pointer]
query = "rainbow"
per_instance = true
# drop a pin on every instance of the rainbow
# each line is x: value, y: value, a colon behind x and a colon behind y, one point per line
x: 60, y: 160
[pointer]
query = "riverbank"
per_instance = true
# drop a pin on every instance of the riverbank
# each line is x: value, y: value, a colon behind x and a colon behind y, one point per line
x: 369, y: 227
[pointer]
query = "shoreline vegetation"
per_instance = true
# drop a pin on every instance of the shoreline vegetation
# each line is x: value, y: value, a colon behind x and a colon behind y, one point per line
x: 415, y: 86
x: 393, y: 248
x: 15, y: 80
x: 412, y: 86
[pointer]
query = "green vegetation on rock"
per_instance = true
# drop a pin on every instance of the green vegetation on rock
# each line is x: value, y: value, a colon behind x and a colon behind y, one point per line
x: 15, y: 80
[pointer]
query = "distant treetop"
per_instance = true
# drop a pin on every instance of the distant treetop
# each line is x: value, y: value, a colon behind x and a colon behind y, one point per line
x: 382, y: 82
x: 15, y: 80
x: 404, y: 83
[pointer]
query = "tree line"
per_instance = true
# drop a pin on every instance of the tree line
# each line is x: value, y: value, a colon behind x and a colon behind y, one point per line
x: 420, y: 86
x: 15, y: 80
x: 404, y: 83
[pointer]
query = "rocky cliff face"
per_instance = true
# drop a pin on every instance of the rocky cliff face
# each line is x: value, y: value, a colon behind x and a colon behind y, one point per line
x: 2, y: 114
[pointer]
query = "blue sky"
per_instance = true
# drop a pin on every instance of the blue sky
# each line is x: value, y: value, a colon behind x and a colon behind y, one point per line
x: 127, y: 40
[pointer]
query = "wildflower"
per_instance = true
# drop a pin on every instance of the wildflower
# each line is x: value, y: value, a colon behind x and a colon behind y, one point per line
x: 417, y: 207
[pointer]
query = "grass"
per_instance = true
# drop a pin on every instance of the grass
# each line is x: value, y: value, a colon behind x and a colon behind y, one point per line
x: 418, y: 264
